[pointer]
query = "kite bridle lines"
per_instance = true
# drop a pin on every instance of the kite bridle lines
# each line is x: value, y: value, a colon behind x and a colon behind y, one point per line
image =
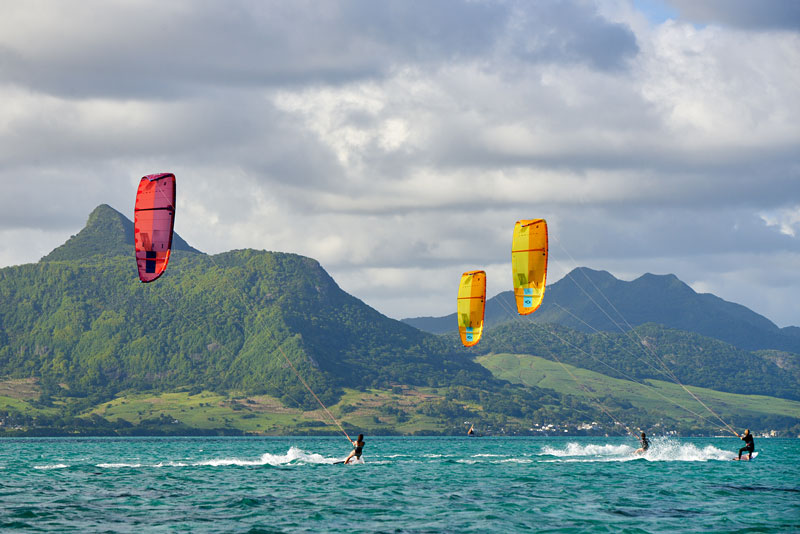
x: 269, y: 332
x: 641, y: 342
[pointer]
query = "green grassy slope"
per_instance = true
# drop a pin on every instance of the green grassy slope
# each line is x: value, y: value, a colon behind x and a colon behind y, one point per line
x: 697, y: 360
x: 659, y: 399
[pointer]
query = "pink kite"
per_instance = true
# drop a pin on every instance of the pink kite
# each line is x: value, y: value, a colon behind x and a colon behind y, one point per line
x: 154, y: 218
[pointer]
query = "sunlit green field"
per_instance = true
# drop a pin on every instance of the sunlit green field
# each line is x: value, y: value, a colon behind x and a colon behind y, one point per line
x: 265, y: 414
x: 654, y: 396
x: 257, y: 414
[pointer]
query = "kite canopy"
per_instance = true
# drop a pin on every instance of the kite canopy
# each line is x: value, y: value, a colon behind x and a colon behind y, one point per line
x: 154, y: 218
x: 471, y: 302
x: 529, y: 263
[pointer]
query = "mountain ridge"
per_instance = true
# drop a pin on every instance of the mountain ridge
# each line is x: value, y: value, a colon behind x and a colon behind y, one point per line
x: 81, y: 317
x: 580, y: 300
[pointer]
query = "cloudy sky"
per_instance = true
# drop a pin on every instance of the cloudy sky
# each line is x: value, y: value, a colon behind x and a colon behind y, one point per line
x: 398, y: 141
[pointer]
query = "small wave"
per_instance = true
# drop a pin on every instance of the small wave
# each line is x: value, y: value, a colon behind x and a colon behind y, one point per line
x: 760, y: 488
x: 51, y: 466
x: 665, y: 449
x: 661, y: 450
x: 576, y: 449
x: 121, y: 465
x: 294, y: 455
x: 487, y: 455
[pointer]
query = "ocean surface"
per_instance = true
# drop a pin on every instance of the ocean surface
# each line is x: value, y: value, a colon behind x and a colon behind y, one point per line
x: 455, y: 484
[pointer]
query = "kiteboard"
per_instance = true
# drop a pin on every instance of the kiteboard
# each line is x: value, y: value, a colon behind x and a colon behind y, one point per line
x: 355, y: 461
x: 744, y: 457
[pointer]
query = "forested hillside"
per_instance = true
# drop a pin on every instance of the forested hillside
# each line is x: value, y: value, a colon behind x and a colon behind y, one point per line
x: 82, y: 325
x: 81, y: 317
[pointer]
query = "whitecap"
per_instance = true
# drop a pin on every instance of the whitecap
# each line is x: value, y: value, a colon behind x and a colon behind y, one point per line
x: 576, y: 449
x: 293, y: 455
x: 661, y: 450
x: 670, y: 450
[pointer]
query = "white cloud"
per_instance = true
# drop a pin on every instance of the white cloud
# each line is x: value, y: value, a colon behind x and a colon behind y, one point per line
x: 397, y: 144
x: 787, y: 220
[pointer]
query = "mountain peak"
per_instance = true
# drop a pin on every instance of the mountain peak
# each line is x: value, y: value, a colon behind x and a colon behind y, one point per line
x: 107, y: 233
x: 597, y: 277
x: 665, y: 281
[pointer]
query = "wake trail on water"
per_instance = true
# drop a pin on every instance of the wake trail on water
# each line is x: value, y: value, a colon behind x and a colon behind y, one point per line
x: 50, y: 466
x: 294, y: 456
x: 661, y: 450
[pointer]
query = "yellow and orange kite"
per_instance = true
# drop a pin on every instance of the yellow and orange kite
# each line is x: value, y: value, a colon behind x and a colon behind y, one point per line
x: 471, y: 301
x: 529, y: 263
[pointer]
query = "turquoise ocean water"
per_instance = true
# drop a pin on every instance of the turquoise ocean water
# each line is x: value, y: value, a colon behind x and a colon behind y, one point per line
x: 405, y: 485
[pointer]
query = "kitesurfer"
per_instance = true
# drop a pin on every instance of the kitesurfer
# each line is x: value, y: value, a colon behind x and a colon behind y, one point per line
x: 749, y: 446
x: 358, y: 445
x: 645, y: 445
x: 471, y: 431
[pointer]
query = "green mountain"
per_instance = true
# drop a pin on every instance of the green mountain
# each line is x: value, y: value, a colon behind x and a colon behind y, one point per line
x: 80, y: 316
x: 81, y: 324
x: 588, y: 300
x: 218, y: 342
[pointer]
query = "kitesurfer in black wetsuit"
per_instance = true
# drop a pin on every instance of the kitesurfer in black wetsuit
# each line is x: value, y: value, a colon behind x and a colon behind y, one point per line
x: 749, y: 446
x: 644, y: 447
x: 358, y: 445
